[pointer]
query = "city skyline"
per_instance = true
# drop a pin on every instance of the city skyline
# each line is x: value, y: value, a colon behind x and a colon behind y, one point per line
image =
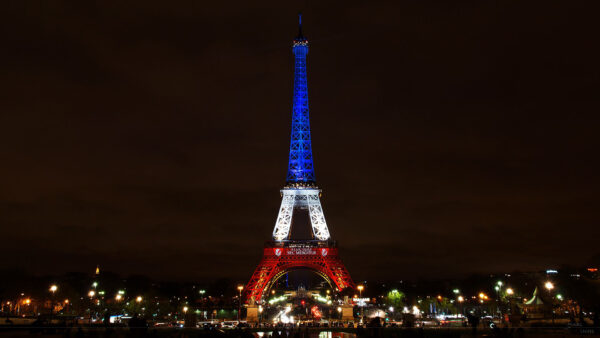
x: 157, y: 144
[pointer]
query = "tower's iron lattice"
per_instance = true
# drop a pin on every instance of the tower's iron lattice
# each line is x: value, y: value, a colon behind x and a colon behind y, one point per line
x: 300, y: 193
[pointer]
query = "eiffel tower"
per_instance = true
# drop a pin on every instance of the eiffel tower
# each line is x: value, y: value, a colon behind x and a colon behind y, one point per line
x: 300, y: 197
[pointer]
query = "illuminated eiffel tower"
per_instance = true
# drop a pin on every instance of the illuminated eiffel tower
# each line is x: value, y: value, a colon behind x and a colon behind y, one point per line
x: 299, y: 195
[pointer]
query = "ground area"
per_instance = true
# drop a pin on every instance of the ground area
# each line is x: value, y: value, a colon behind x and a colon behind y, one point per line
x: 299, y: 333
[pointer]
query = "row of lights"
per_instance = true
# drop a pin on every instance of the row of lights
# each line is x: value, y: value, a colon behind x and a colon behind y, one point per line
x: 92, y: 293
x: 482, y: 296
x: 509, y: 291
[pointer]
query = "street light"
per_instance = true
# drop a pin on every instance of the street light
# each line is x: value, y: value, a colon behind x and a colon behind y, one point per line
x: 25, y: 302
x: 139, y: 299
x: 509, y: 295
x: 549, y: 286
x: 497, y: 288
x: 118, y: 297
x: 460, y: 300
x: 185, y: 309
x: 362, y: 310
x: 91, y: 294
x: 53, y: 289
x: 240, y: 288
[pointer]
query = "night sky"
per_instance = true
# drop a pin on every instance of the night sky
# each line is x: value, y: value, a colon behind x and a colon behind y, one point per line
x: 449, y: 138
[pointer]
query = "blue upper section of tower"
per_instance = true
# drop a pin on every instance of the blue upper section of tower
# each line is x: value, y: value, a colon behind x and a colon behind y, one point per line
x: 300, y: 166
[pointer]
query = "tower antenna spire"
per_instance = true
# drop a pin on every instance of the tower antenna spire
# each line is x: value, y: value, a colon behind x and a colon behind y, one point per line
x: 300, y: 25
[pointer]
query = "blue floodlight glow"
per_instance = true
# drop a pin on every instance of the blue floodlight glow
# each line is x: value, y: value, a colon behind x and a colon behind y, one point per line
x: 300, y: 165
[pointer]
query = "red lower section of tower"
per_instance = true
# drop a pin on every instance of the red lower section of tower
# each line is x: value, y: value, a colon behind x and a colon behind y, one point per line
x: 278, y: 260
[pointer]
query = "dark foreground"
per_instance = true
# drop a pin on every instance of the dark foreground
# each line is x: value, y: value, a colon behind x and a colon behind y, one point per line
x: 80, y: 332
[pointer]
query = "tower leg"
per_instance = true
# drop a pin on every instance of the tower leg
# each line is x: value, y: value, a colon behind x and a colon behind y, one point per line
x: 284, y: 219
x: 336, y: 270
x: 261, y: 277
x: 317, y: 218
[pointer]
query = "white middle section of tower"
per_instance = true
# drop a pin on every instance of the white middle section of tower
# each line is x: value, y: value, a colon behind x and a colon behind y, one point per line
x: 303, y: 199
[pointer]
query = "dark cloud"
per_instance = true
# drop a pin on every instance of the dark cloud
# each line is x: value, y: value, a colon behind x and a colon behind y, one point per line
x: 152, y: 138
